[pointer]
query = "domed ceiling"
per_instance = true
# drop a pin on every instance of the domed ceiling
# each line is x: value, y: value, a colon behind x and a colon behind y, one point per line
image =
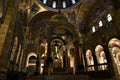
x: 59, y: 4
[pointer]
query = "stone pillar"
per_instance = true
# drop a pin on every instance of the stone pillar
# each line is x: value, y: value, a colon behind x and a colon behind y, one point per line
x: 76, y: 57
x: 81, y: 57
x: 23, y: 59
x: 111, y: 64
x: 67, y: 59
x: 64, y: 58
x: 95, y: 59
x: 20, y: 59
x: 4, y: 44
x: 48, y: 49
x: 15, y: 65
x: 85, y: 59
x: 37, y: 71
x: 47, y: 67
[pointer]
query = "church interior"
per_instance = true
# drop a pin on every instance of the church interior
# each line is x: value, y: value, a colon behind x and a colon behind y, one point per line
x: 59, y: 39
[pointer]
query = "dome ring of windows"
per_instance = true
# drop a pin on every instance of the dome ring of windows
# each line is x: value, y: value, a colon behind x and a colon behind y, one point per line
x: 56, y: 5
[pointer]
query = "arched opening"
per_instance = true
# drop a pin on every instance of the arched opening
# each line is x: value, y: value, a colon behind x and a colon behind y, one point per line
x: 57, y: 53
x: 101, y: 57
x: 31, y: 63
x: 90, y: 61
x: 71, y: 56
x: 66, y: 58
x: 54, y: 36
x: 114, y: 47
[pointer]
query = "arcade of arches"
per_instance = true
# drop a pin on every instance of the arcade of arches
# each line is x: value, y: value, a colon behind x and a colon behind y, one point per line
x: 59, y: 37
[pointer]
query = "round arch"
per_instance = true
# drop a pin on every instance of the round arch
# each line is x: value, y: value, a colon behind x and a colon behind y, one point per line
x: 58, y: 51
x: 114, y: 42
x: 31, y: 54
x: 114, y: 48
x: 90, y: 60
x: 100, y: 54
x: 101, y: 57
x: 89, y: 57
x: 61, y: 21
x: 46, y: 15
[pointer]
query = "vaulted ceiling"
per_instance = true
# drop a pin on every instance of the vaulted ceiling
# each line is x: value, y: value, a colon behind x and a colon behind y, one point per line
x: 76, y: 11
x: 36, y: 15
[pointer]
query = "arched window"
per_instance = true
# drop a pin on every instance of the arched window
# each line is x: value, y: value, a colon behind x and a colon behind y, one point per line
x: 109, y: 17
x: 31, y: 63
x: 90, y: 60
x: 54, y: 4
x: 114, y: 47
x: 44, y: 1
x: 28, y: 59
x: 73, y: 1
x: 101, y: 57
x: 64, y: 4
x: 59, y: 4
x: 93, y: 29
x: 100, y: 23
